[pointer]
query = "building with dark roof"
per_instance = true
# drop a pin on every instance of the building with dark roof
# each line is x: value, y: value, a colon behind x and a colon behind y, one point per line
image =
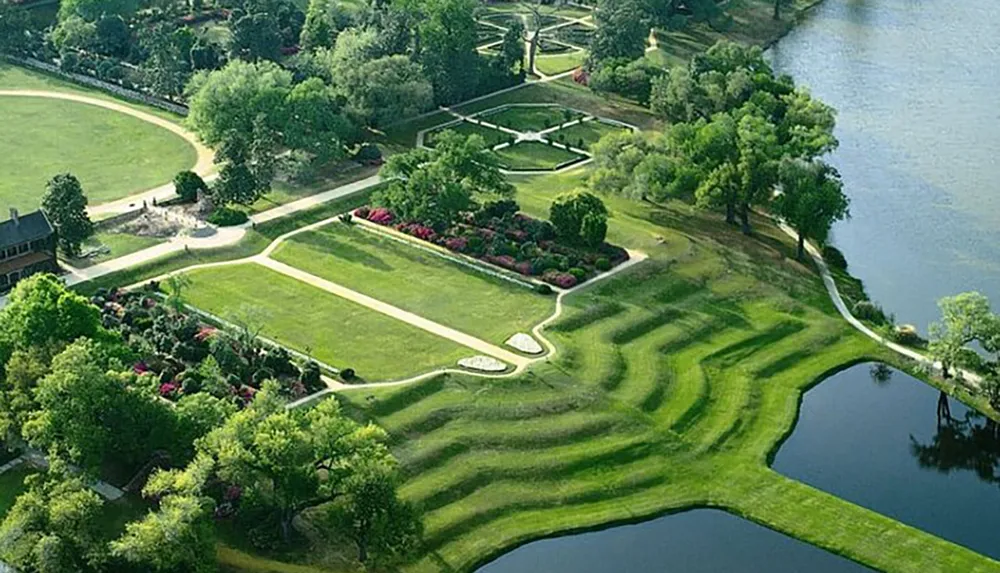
x: 27, y: 246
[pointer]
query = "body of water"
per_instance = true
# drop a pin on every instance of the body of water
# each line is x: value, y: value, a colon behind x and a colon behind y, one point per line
x: 917, y: 88
x: 697, y: 541
x: 881, y: 445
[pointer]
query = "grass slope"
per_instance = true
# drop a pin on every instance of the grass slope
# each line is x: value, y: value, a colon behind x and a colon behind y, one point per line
x: 45, y: 137
x: 414, y: 280
x: 334, y: 330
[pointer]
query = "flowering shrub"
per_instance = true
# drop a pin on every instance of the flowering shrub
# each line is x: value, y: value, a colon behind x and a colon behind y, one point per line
x: 168, y: 389
x: 498, y: 235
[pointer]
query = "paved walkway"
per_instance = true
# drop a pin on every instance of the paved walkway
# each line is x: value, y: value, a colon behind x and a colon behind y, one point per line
x: 973, y: 379
x: 38, y: 460
x: 204, y: 166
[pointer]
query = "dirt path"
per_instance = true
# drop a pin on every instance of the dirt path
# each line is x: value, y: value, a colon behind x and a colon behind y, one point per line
x: 204, y: 166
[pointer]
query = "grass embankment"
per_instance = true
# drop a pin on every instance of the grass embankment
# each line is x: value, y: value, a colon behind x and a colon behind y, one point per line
x: 415, y: 280
x: 312, y: 321
x: 673, y: 385
x: 46, y: 137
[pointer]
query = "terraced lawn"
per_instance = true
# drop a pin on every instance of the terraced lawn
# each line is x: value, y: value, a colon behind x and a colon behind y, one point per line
x: 531, y: 118
x: 559, y: 63
x: 310, y: 320
x: 85, y: 140
x: 418, y: 281
x: 490, y: 136
x: 583, y: 135
x: 534, y: 155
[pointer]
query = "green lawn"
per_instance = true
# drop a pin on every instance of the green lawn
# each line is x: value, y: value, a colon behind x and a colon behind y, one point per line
x: 588, y: 133
x: 118, y: 245
x: 531, y: 118
x: 529, y: 155
x: 466, y: 128
x: 44, y: 137
x: 557, y: 64
x: 336, y: 331
x: 414, y: 280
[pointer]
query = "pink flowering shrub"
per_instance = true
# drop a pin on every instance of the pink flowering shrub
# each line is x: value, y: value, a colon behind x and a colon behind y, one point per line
x: 505, y: 261
x: 457, y: 244
x: 362, y: 212
x: 560, y: 279
x: 523, y: 267
x: 381, y: 216
x: 168, y: 389
x: 419, y: 231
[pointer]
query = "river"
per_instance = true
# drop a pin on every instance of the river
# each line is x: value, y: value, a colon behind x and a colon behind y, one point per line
x: 917, y: 88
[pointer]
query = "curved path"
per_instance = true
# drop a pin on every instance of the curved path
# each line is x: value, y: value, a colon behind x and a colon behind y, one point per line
x: 204, y: 166
x: 973, y: 380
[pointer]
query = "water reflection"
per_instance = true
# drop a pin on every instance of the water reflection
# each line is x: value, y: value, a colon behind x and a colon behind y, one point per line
x: 880, y: 438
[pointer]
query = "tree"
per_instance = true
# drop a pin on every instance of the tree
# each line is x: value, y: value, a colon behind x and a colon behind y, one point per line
x: 248, y: 165
x: 811, y: 200
x: 86, y: 411
x: 324, y: 21
x: 372, y: 515
x: 232, y: 100
x: 284, y: 460
x: 93, y: 10
x: 53, y: 526
x: 806, y: 128
x: 113, y: 36
x: 189, y: 185
x: 756, y: 167
x: 965, y: 318
x: 316, y: 123
x: 512, y: 48
x: 73, y: 33
x: 255, y: 37
x: 579, y: 217
x: 447, y: 35
x: 622, y: 30
x: 167, y: 68
x: 66, y: 207
x: 434, y: 186
x: 15, y: 28
x: 41, y: 313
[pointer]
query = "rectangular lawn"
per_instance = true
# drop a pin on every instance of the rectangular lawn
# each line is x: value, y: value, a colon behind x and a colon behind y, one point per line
x: 308, y: 319
x: 417, y: 281
x: 534, y: 155
x: 588, y: 132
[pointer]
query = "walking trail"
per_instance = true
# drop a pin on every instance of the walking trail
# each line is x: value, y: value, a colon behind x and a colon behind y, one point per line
x: 204, y: 166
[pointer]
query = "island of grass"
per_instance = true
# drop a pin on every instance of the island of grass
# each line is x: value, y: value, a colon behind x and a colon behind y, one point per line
x: 414, y: 279
x: 535, y: 156
x: 43, y: 137
x: 585, y: 134
x: 491, y: 136
x: 527, y: 119
x: 311, y: 321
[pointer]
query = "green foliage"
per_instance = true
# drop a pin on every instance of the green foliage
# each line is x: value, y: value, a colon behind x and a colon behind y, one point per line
x: 178, y: 536
x: 434, y: 186
x: 255, y: 37
x: 629, y: 78
x: 66, y: 207
x: 41, y: 313
x: 92, y: 10
x: 53, y: 526
x: 579, y: 217
x: 965, y: 318
x: 15, y: 26
x: 812, y: 199
x: 512, y: 48
x: 622, y: 29
x: 871, y: 312
x: 189, y: 185
x: 834, y: 257
x: 447, y: 32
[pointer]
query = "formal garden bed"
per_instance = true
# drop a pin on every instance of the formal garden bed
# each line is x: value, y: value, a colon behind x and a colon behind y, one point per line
x: 500, y: 235
x: 531, y: 118
x: 576, y: 34
x: 536, y: 156
x: 178, y: 353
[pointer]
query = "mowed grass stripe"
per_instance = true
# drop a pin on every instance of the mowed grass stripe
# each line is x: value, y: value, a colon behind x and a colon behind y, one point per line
x: 310, y: 320
x: 414, y: 280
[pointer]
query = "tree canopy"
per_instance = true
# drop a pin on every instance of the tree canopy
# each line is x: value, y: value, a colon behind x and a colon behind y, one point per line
x: 66, y: 207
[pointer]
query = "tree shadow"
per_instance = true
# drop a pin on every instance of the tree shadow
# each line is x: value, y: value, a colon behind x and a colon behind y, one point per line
x: 327, y: 242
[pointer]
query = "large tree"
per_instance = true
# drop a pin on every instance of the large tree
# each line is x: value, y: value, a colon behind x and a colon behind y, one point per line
x: 622, y: 30
x: 434, y: 186
x: 92, y: 10
x: 447, y: 35
x: 965, y: 318
x: 15, y: 26
x: 255, y: 36
x: 811, y: 200
x: 285, y: 460
x: 66, y: 207
x: 756, y: 166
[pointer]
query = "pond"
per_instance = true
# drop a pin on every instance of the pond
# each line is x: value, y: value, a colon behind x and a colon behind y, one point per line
x: 915, y: 85
x: 697, y: 541
x: 879, y: 444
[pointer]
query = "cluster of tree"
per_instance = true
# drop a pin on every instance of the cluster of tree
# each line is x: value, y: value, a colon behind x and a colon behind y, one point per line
x: 740, y: 137
x: 579, y: 218
x: 967, y: 319
x: 69, y: 389
x: 434, y: 186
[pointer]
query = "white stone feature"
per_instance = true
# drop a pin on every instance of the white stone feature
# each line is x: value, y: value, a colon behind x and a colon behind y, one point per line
x: 483, y: 364
x: 524, y: 343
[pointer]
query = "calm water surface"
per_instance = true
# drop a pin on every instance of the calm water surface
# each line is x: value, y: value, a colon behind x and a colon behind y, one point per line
x: 880, y: 445
x: 698, y: 541
x: 917, y: 86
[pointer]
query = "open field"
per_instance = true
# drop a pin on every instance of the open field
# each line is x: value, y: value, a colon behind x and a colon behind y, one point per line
x: 415, y: 280
x: 338, y: 332
x: 87, y: 141
x: 529, y: 155
x: 588, y: 133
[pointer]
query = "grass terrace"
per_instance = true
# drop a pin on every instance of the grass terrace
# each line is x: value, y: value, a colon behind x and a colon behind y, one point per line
x: 413, y: 279
x: 312, y: 321
x: 85, y: 140
x: 535, y: 155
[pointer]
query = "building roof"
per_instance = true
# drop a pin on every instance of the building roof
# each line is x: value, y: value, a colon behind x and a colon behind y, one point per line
x: 29, y: 227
